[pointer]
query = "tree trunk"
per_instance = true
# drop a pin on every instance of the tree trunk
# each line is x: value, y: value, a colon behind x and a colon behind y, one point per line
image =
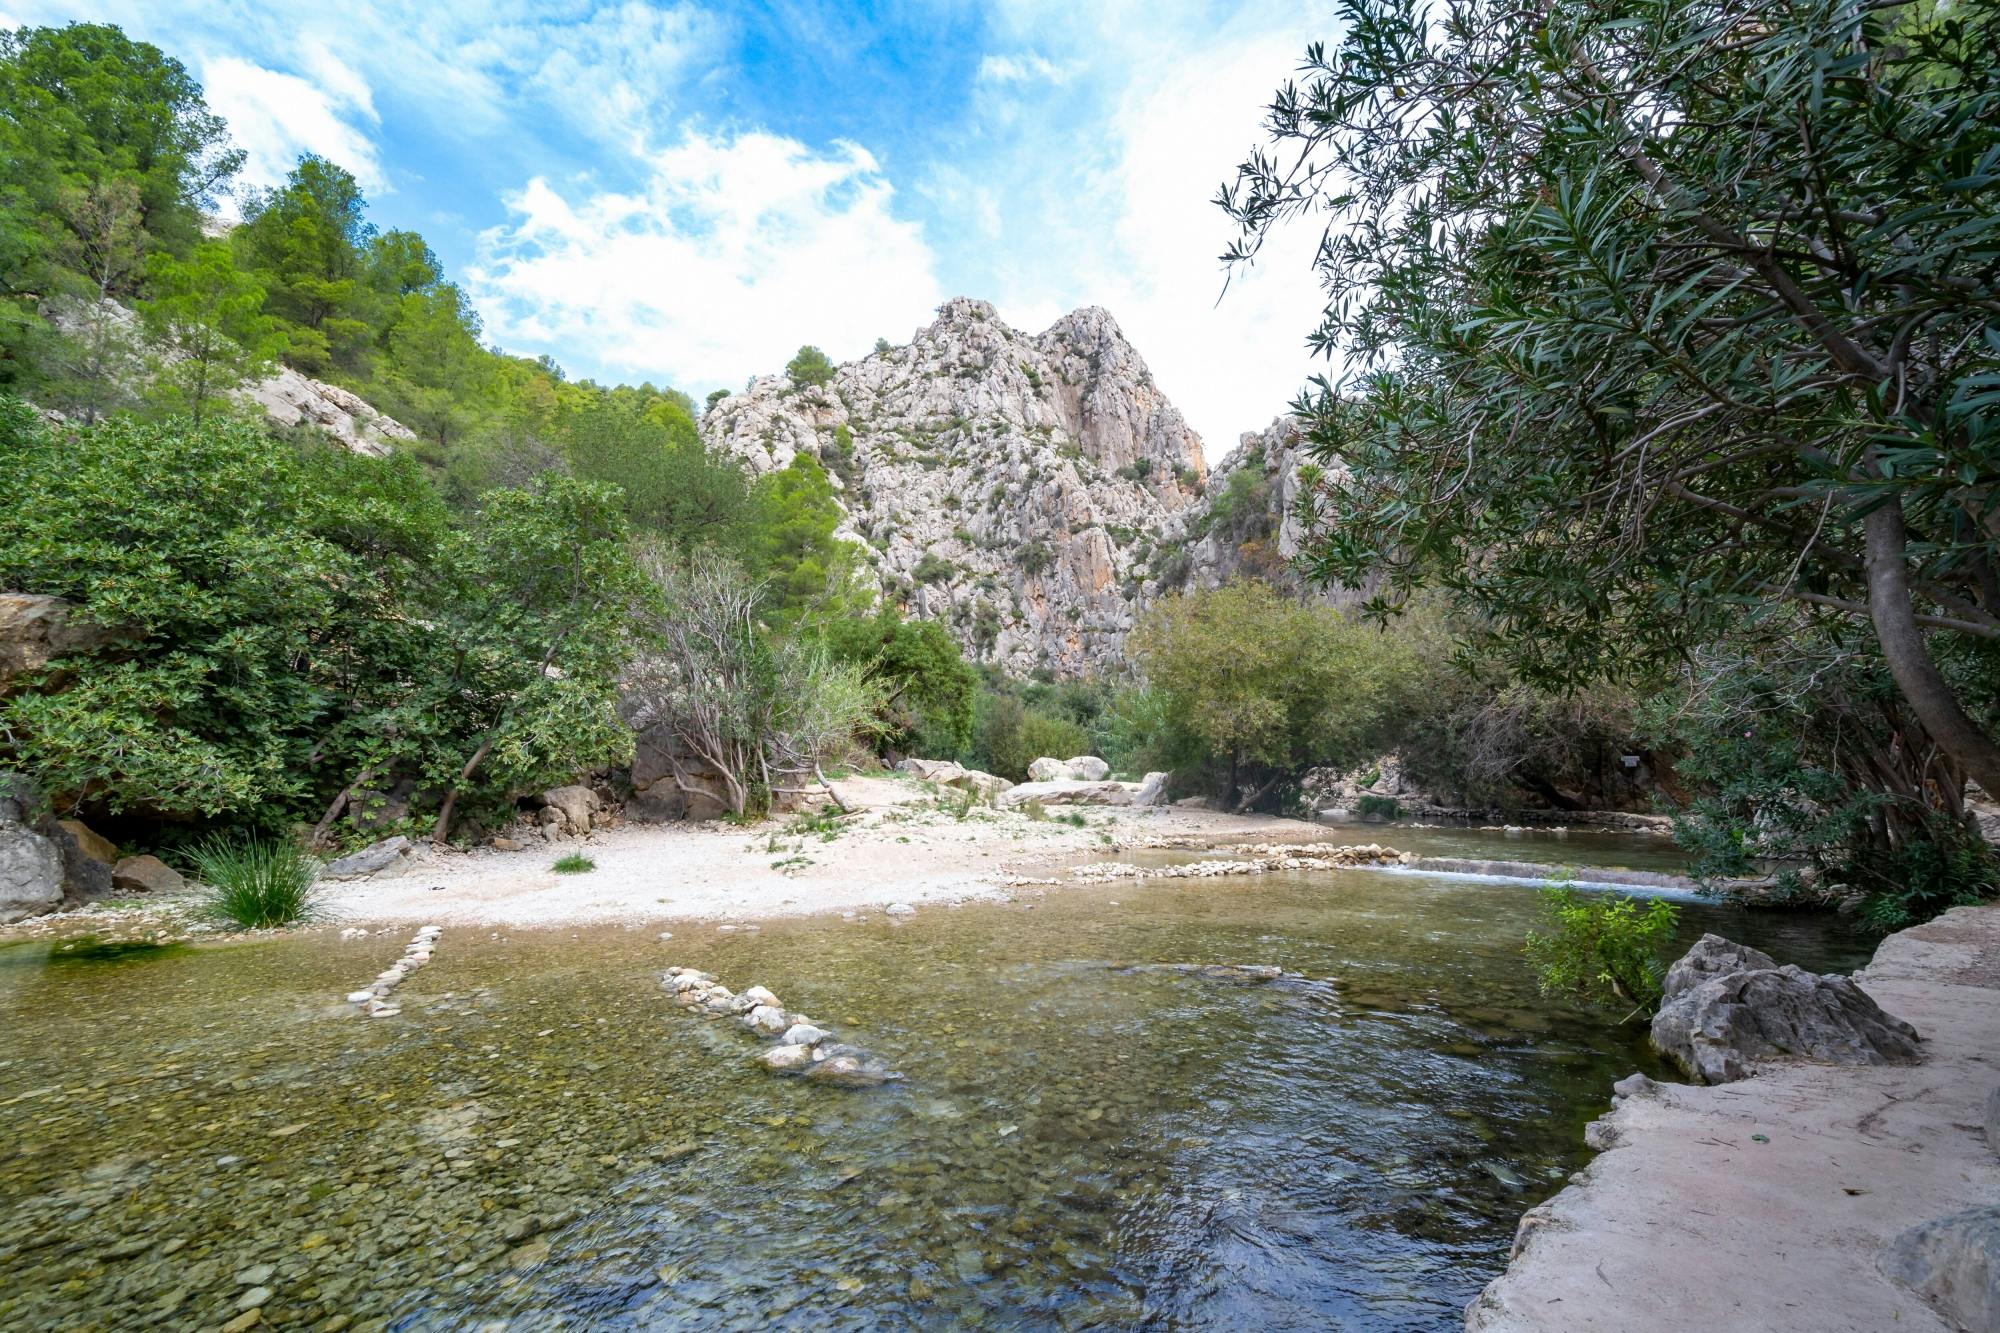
x: 451, y: 797
x: 339, y: 804
x: 1931, y: 700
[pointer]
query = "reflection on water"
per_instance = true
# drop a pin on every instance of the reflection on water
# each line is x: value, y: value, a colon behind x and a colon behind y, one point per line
x: 542, y: 1140
x: 1560, y: 847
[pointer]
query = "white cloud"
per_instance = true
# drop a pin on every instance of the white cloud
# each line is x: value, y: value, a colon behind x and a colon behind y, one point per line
x: 737, y: 250
x: 274, y: 117
x: 1020, y: 69
x: 1231, y: 364
x: 1099, y: 193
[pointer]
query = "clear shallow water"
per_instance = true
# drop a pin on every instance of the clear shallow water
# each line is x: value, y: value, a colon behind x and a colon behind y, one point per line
x: 1083, y: 1140
x: 1571, y: 847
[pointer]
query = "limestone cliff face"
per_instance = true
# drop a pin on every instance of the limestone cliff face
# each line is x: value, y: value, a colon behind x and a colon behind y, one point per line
x: 1023, y: 489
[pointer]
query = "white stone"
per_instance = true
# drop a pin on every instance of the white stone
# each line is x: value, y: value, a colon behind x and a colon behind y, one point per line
x: 786, y: 1057
x: 804, y: 1034
x: 900, y: 909
x: 762, y: 997
x: 768, y: 1018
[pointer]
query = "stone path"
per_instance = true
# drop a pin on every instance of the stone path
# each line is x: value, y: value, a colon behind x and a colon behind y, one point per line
x: 1769, y: 1204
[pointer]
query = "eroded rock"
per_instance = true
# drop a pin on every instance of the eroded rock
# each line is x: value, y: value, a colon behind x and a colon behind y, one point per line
x: 1727, y: 1007
x: 371, y: 860
x: 1954, y: 1263
x: 146, y: 874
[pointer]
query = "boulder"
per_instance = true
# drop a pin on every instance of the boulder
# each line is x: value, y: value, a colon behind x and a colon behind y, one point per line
x: 42, y: 864
x: 1068, y: 793
x: 31, y: 870
x: 1152, y: 791
x: 786, y: 1057
x: 375, y: 808
x: 1047, y: 770
x: 146, y: 874
x: 805, y: 1034
x: 90, y: 842
x: 1954, y: 1263
x: 762, y: 996
x: 36, y: 629
x: 1726, y: 1007
x: 577, y: 805
x: 768, y: 1018
x: 1087, y: 768
x: 372, y: 860
x: 849, y: 1067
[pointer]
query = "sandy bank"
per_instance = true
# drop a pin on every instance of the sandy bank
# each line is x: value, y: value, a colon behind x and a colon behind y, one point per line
x: 904, y: 845
x: 1767, y: 1204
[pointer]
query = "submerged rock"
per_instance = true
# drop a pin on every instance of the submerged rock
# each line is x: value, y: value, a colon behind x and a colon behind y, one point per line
x: 1727, y: 1006
x: 849, y: 1067
x: 787, y: 1057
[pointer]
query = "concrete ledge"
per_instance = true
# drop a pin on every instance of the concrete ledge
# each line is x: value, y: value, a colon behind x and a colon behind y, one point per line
x: 1770, y: 1203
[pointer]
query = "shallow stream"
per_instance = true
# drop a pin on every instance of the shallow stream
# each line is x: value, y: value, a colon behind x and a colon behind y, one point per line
x: 1084, y: 1139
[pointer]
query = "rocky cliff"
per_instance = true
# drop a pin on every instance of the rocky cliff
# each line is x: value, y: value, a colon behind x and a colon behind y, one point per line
x: 1032, y: 491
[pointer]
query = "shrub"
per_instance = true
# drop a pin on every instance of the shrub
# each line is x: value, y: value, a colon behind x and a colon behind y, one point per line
x: 257, y: 883
x: 576, y: 863
x: 1602, y: 948
x: 1385, y: 806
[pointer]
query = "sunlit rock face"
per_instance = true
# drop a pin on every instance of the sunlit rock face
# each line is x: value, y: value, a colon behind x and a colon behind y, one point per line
x: 1022, y: 489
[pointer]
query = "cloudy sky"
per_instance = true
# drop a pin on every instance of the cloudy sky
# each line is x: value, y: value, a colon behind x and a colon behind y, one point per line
x: 685, y: 194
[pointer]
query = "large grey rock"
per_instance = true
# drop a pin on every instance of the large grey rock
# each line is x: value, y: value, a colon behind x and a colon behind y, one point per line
x: 1727, y: 1007
x: 1017, y: 470
x: 1087, y: 768
x: 371, y: 860
x: 31, y: 872
x: 1712, y: 956
x: 1046, y: 769
x: 1067, y: 793
x: 1954, y: 1263
x: 1152, y: 791
x: 948, y: 774
x: 577, y: 804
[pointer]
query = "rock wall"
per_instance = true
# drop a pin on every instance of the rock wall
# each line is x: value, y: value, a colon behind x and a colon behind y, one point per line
x: 1018, y: 488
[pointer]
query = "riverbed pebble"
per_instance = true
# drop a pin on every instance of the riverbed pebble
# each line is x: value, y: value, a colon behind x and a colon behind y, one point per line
x: 417, y: 953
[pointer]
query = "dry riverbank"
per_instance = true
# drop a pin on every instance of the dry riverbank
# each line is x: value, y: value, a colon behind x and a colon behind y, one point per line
x: 1769, y: 1203
x: 905, y: 843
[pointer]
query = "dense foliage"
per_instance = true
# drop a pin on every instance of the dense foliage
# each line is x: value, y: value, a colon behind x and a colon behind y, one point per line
x: 293, y: 622
x: 1656, y: 317
x: 1603, y: 948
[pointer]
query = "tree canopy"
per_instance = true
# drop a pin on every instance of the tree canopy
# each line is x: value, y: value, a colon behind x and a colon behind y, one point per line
x: 1653, y: 315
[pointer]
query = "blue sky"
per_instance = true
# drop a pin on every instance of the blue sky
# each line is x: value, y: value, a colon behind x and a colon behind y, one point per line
x: 686, y: 193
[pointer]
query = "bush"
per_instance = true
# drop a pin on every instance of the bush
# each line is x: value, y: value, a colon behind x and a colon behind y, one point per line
x: 1384, y: 806
x: 1602, y: 948
x: 810, y: 367
x: 257, y: 883
x: 576, y: 863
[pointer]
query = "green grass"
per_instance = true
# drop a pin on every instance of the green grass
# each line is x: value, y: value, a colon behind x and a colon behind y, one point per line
x: 576, y: 863
x: 256, y: 883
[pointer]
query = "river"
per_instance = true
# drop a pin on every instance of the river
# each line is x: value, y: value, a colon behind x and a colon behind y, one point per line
x: 1087, y: 1136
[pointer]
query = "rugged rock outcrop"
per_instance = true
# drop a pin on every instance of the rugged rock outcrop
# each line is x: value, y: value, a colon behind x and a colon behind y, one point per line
x: 292, y: 399
x: 1016, y: 487
x: 1246, y: 523
x: 1727, y: 1006
x: 1954, y: 1263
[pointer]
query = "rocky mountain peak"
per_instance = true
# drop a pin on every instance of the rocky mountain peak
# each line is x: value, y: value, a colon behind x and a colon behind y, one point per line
x: 1018, y: 487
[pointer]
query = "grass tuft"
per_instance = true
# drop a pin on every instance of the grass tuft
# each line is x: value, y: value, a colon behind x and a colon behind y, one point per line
x: 576, y: 863
x: 257, y: 883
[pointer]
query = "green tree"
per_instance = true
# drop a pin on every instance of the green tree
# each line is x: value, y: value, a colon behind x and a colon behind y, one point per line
x: 209, y: 318
x: 1270, y: 685
x: 810, y: 367
x: 793, y: 547
x: 307, y: 242
x: 436, y: 376
x: 926, y: 687
x: 674, y: 489
x: 83, y: 106
x: 1603, y: 948
x: 1652, y: 310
